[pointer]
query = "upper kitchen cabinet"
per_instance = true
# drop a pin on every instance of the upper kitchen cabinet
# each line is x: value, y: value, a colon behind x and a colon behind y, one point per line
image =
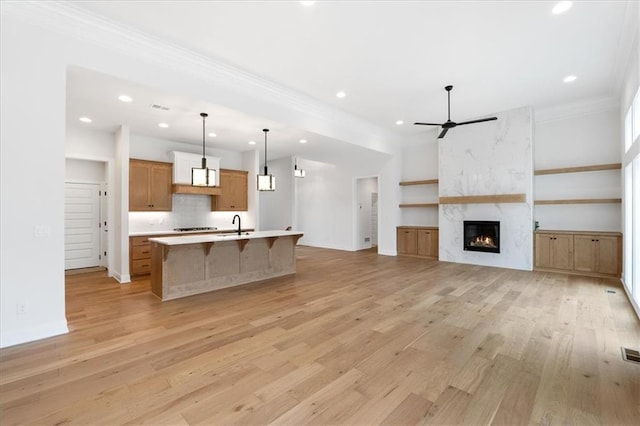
x: 234, y: 186
x: 150, y: 185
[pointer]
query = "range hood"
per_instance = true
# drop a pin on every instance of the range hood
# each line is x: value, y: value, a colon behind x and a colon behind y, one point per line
x: 182, y: 164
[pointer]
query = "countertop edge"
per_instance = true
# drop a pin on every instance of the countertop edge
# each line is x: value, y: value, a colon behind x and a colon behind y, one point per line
x: 212, y: 238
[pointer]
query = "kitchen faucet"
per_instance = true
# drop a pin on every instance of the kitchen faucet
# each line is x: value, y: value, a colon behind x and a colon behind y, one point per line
x: 234, y: 222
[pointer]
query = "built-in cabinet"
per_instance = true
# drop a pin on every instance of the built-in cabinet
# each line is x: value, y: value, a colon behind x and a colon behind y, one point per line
x: 584, y: 253
x: 417, y: 241
x: 150, y: 185
x: 234, y: 195
x: 554, y: 251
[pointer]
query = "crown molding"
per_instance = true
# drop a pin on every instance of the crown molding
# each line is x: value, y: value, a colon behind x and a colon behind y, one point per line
x: 576, y: 109
x: 69, y: 20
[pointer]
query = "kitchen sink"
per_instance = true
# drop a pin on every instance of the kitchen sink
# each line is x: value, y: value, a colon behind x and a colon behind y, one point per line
x: 231, y: 234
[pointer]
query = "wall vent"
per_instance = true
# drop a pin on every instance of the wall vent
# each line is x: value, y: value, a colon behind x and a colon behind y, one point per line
x: 160, y: 107
x: 631, y: 355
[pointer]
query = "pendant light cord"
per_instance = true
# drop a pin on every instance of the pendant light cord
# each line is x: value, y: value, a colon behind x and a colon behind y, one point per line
x: 204, y: 159
x: 265, y: 150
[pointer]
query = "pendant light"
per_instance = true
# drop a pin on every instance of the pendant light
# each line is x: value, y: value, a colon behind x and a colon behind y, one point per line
x: 299, y: 173
x: 266, y: 182
x: 203, y: 176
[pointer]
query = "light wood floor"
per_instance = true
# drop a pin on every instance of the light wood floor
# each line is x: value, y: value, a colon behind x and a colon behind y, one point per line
x: 353, y: 338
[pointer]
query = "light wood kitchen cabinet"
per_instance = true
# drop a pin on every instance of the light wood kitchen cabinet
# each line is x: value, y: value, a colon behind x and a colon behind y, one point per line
x: 597, y: 253
x: 150, y: 186
x: 417, y: 241
x: 554, y: 251
x: 234, y: 186
x: 139, y: 255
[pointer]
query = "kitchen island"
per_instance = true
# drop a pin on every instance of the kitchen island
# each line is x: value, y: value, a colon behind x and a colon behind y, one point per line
x: 186, y: 265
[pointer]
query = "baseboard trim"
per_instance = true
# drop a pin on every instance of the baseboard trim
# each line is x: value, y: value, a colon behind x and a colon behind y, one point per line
x: 122, y: 279
x: 12, y: 338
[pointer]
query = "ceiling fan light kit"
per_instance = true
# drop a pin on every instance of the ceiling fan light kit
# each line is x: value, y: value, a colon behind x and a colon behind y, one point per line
x: 449, y: 124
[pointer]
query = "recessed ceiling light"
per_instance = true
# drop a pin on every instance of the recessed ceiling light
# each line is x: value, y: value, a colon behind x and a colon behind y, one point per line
x: 341, y: 94
x: 85, y: 119
x: 125, y: 98
x: 212, y: 135
x: 570, y: 79
x: 561, y: 7
x: 163, y: 125
x: 303, y: 141
x: 252, y: 142
x: 307, y: 3
x: 399, y: 122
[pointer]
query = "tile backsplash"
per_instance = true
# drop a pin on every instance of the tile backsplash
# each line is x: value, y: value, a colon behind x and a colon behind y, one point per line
x: 188, y: 211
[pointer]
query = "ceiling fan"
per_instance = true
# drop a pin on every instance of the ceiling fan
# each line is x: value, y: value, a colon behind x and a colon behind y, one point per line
x: 451, y: 124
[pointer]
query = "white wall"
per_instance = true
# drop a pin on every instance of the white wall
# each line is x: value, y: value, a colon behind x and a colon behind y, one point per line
x: 324, y: 206
x: 582, y: 140
x: 86, y: 142
x: 420, y: 162
x: 32, y: 208
x: 84, y: 171
x: 276, y: 207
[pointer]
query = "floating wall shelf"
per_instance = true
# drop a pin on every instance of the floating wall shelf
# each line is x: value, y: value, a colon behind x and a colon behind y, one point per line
x: 581, y: 201
x: 595, y: 168
x: 405, y: 205
x: 418, y: 182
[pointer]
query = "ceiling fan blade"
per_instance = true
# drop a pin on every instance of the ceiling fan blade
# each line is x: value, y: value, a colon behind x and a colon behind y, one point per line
x: 444, y: 132
x: 428, y: 124
x: 478, y: 121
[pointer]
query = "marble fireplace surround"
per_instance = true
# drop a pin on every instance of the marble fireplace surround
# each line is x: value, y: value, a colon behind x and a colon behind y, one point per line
x: 486, y: 174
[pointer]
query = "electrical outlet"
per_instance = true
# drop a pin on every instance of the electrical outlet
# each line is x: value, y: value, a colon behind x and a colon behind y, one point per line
x: 21, y: 308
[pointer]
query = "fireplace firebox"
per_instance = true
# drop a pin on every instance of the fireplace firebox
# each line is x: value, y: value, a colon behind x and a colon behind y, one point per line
x: 482, y: 236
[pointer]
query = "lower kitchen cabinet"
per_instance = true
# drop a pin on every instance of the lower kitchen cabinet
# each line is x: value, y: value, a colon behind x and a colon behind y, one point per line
x: 139, y: 255
x: 584, y: 253
x: 417, y: 241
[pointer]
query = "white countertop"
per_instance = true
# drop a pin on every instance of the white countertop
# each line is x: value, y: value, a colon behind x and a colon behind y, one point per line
x: 212, y: 238
x: 172, y: 232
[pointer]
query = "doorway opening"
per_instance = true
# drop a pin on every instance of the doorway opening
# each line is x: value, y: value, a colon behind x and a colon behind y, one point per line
x: 366, y: 215
x: 86, y: 224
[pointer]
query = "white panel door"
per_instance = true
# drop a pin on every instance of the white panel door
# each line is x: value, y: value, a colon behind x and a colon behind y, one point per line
x: 81, y: 225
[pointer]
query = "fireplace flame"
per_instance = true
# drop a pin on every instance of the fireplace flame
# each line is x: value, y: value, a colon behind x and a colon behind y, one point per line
x: 482, y: 241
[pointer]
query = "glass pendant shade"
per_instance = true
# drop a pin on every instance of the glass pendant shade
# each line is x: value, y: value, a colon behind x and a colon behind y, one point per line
x: 266, y: 183
x: 203, y: 177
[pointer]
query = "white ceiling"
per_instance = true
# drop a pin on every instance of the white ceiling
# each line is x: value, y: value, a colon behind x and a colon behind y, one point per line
x: 392, y: 58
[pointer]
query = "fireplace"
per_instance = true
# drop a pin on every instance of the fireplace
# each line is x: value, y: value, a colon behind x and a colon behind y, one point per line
x: 482, y: 236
